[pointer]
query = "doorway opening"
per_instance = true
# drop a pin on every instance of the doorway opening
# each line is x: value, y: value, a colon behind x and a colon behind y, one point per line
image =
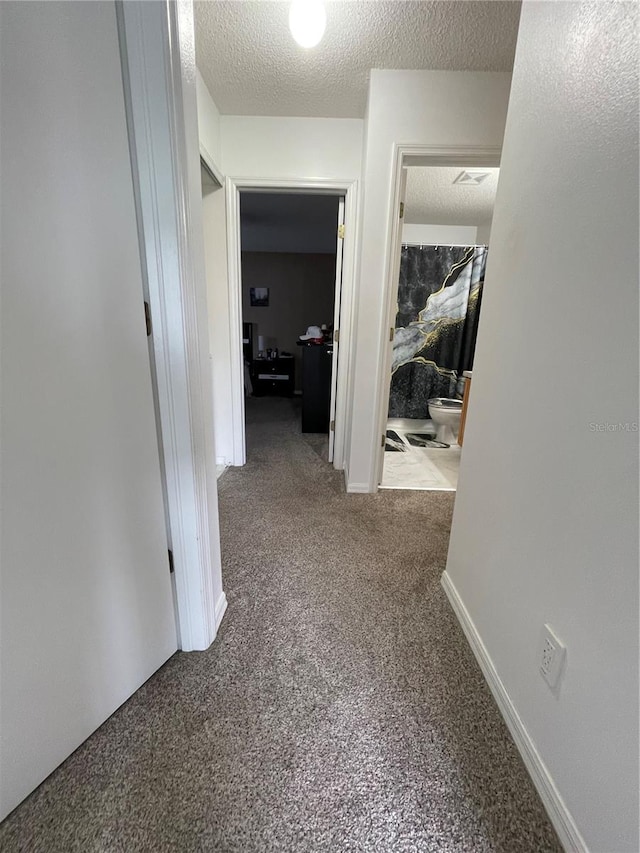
x: 439, y: 254
x: 291, y: 247
x: 304, y: 219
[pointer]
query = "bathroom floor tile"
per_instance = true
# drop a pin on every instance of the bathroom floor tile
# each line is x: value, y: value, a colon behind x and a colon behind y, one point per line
x: 421, y: 466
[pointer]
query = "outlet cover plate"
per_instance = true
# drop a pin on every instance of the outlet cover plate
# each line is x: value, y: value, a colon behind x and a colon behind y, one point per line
x: 551, y: 656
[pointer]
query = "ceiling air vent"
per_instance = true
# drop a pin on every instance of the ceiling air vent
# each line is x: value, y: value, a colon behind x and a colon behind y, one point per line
x: 471, y: 178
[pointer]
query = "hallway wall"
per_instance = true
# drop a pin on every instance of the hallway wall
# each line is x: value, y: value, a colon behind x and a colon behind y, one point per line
x: 265, y: 148
x: 214, y: 225
x: 208, y: 121
x: 214, y: 222
x: 281, y: 147
x: 446, y: 108
x: 545, y: 526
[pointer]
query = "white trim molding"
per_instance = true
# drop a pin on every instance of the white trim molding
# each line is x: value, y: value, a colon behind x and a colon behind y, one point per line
x: 234, y: 283
x: 158, y: 65
x: 403, y: 156
x: 348, y: 188
x: 357, y: 488
x: 221, y: 609
x: 559, y: 814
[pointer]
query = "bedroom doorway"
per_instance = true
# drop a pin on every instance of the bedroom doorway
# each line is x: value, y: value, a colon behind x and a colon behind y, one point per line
x: 291, y: 260
x: 291, y: 263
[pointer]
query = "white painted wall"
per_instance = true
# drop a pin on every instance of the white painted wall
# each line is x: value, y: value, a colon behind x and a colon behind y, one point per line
x: 264, y: 148
x: 215, y: 251
x: 546, y: 517
x: 439, y: 235
x: 213, y: 600
x: 87, y: 608
x: 291, y: 148
x: 407, y: 107
x: 484, y: 233
x: 208, y: 122
x: 214, y: 224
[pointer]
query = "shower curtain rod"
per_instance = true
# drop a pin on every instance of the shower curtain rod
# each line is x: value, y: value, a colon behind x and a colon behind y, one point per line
x: 437, y: 245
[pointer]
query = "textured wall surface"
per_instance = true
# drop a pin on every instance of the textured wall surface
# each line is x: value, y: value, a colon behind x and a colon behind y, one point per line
x: 545, y: 525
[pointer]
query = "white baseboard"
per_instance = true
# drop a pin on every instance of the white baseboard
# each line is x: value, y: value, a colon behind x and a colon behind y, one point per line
x: 221, y: 606
x: 560, y: 816
x: 358, y: 488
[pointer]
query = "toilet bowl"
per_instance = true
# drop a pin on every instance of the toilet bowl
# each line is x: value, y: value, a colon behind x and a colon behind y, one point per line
x: 445, y: 414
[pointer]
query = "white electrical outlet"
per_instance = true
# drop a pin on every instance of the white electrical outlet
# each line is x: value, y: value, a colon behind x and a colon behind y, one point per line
x: 552, y: 655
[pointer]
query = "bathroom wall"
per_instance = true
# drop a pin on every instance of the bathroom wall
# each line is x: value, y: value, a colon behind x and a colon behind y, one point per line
x: 484, y: 232
x: 301, y: 291
x: 436, y: 235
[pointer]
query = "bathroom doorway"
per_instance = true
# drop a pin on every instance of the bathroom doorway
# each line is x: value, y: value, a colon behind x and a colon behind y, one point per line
x: 441, y: 253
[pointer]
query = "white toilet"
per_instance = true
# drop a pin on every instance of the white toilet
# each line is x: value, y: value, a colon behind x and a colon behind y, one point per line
x: 445, y: 414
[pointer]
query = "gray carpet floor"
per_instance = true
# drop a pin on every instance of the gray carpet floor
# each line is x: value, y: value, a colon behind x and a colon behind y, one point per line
x: 340, y: 708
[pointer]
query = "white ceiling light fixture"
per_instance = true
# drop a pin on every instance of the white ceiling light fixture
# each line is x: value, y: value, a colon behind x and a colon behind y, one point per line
x: 307, y: 21
x: 471, y: 178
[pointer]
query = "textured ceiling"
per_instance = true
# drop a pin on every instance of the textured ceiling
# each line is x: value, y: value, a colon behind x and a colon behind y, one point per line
x: 252, y: 66
x: 433, y: 199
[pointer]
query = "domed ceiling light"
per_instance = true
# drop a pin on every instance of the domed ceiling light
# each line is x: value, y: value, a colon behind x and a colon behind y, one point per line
x: 307, y: 21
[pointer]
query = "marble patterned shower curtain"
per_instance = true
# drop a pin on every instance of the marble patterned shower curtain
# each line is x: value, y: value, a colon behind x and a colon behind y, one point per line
x: 436, y: 325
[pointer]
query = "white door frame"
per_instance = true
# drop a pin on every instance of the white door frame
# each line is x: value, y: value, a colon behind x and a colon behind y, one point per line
x: 337, y: 316
x: 347, y: 323
x: 158, y: 60
x: 404, y: 156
